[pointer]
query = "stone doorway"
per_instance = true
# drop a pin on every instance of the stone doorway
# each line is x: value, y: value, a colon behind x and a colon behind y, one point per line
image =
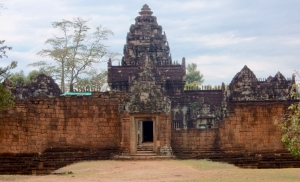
x: 147, y: 133
x: 138, y: 126
x: 145, y: 136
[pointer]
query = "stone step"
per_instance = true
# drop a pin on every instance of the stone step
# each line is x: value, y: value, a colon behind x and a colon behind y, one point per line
x: 142, y: 157
x: 144, y: 146
x: 143, y: 149
x: 144, y: 154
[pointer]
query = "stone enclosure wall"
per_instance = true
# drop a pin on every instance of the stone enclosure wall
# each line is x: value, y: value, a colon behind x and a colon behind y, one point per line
x: 247, y: 137
x: 78, y: 125
x: 43, y: 134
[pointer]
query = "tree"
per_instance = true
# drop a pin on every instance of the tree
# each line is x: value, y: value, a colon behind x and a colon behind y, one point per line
x: 94, y: 79
x: 193, y: 77
x: 289, y: 125
x: 20, y: 78
x: 4, y: 72
x: 6, y: 98
x: 76, y: 53
x: 34, y: 74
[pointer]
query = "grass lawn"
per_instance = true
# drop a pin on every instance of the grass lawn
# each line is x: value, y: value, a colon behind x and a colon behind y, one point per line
x: 215, y: 171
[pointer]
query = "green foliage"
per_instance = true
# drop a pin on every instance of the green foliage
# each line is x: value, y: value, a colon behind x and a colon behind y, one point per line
x: 75, y: 52
x: 19, y: 78
x: 193, y: 77
x: 6, y: 98
x: 93, y: 79
x: 289, y: 125
x: 193, y: 105
x: 33, y: 74
x: 4, y: 72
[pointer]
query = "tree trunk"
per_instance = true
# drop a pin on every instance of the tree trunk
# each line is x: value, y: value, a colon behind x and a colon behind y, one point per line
x: 62, y: 77
x: 71, y: 87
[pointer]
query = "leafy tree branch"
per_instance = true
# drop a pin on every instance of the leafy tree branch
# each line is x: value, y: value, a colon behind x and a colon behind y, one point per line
x: 289, y: 125
x: 75, y: 52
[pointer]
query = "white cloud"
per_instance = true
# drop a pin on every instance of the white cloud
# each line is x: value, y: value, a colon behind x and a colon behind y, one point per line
x: 223, y: 39
x: 220, y: 36
x: 222, y: 68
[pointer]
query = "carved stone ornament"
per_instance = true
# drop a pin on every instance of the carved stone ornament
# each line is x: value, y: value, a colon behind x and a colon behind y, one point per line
x: 146, y: 94
x: 244, y: 85
x: 43, y: 85
x: 204, y: 114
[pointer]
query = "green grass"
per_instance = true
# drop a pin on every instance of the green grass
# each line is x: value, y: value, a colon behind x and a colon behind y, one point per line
x: 230, y: 173
x: 205, y: 164
x: 12, y: 177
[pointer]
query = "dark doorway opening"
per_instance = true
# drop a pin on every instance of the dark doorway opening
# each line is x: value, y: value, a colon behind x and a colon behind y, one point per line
x: 147, y: 131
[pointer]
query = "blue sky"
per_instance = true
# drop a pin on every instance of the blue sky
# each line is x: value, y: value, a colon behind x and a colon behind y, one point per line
x: 220, y: 36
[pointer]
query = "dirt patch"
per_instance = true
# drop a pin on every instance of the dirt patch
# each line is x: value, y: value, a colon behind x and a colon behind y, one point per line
x: 164, y: 170
x: 118, y: 171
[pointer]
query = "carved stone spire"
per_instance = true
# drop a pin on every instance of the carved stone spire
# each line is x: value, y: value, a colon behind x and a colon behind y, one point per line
x: 146, y: 11
x: 146, y: 37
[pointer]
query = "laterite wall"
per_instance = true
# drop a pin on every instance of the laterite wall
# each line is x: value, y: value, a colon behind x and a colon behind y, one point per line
x: 43, y: 134
x: 35, y: 125
x: 246, y: 137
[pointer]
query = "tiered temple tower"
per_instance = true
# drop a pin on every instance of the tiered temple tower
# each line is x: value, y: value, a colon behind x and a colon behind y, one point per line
x: 147, y: 39
x: 152, y: 80
x: 146, y: 36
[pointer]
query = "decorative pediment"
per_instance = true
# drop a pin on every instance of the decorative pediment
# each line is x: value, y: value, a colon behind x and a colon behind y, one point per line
x: 146, y: 94
x: 279, y: 87
x: 244, y: 85
x: 44, y: 85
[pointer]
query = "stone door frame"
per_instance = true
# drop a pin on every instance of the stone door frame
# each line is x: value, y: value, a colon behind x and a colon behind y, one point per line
x: 134, y: 120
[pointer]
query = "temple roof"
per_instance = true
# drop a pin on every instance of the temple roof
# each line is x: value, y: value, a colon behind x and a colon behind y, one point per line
x: 121, y: 73
x: 214, y: 96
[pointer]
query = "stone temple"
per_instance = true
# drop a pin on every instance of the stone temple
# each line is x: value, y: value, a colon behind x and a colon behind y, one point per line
x: 148, y: 113
x: 154, y: 82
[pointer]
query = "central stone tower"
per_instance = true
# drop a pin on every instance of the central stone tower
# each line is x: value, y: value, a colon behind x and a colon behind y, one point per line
x: 146, y: 36
x: 147, y: 48
x: 148, y: 76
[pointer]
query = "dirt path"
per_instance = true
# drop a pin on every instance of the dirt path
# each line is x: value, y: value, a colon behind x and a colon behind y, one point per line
x: 119, y: 171
x: 161, y: 171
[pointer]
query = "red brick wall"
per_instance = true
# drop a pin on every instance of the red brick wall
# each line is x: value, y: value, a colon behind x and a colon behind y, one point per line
x: 249, y: 127
x: 95, y: 123
x: 164, y: 131
x: 35, y: 125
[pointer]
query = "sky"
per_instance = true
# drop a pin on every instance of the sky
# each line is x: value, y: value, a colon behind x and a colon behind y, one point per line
x: 219, y: 36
